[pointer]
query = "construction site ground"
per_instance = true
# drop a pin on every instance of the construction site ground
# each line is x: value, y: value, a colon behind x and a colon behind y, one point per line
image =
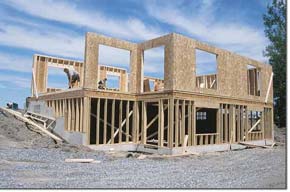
x: 31, y: 160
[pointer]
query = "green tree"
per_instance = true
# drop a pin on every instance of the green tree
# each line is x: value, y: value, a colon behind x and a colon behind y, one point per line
x: 275, y: 30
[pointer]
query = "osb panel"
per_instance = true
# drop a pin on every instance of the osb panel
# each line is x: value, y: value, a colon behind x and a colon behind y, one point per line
x: 91, y: 56
x: 41, y: 75
x: 183, y: 63
x: 157, y: 42
x: 167, y: 42
x: 231, y: 70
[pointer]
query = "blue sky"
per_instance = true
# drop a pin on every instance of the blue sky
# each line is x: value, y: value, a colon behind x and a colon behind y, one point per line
x: 57, y: 28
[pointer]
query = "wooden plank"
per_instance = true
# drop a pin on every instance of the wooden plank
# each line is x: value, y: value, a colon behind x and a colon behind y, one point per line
x: 144, y: 123
x: 262, y: 125
x: 217, y: 140
x: 183, y: 122
x: 98, y: 122
x: 120, y: 120
x: 200, y: 139
x: 246, y: 125
x: 137, y: 122
x: 233, y: 130
x: 73, y: 116
x: 80, y: 161
x: 87, y: 118
x: 135, y: 129
x: 242, y: 123
x: 69, y: 115
x: 105, y: 121
x: 171, y: 122
x: 176, y: 123
x: 211, y: 139
x: 194, y: 139
x: 65, y: 115
x: 112, y: 121
x: 189, y: 118
x: 160, y: 123
x: 226, y: 124
x: 206, y: 140
x: 127, y: 121
x: 81, y: 115
x: 77, y: 115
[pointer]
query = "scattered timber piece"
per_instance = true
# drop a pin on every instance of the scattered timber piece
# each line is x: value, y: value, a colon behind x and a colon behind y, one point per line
x: 24, y: 119
x: 142, y: 157
x: 254, y: 145
x: 81, y: 161
x: 184, y: 144
x: 273, y: 145
x: 181, y: 155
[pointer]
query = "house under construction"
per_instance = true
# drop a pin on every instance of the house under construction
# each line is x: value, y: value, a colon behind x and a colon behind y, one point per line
x: 188, y: 111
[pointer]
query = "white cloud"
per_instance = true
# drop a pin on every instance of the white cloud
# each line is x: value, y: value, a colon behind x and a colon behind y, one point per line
x: 69, y: 12
x: 15, y: 62
x: 50, y: 42
x: 202, y: 24
x: 19, y: 82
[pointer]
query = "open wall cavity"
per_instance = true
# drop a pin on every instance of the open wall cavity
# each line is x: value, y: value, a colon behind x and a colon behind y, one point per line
x: 114, y: 68
x: 56, y: 79
x: 253, y: 80
x: 233, y: 123
x: 72, y: 110
x: 255, y: 125
x: 153, y: 69
x: 167, y: 123
x: 206, y: 69
x: 206, y: 126
x: 111, y: 121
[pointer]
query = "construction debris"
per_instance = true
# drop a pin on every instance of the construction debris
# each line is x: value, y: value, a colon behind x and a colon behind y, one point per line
x: 81, y: 161
x: 26, y: 120
x: 255, y: 145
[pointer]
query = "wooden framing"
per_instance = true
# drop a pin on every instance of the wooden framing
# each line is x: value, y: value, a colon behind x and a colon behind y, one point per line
x: 127, y: 111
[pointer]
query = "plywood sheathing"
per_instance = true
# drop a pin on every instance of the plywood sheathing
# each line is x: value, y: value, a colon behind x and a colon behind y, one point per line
x: 167, y: 42
x: 92, y: 55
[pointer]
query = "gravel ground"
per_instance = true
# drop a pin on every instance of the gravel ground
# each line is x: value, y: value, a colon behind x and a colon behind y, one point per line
x: 29, y: 160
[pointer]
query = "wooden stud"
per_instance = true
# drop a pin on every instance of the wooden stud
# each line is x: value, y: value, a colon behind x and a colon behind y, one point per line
x: 69, y: 115
x: 262, y: 125
x: 81, y: 115
x: 144, y: 124
x: 87, y: 118
x: 120, y: 120
x: 176, y: 123
x: 105, y: 121
x: 77, y: 115
x: 98, y: 121
x: 217, y: 139
x: 194, y: 138
x: 73, y: 116
x: 135, y: 124
x: 65, y: 115
x: 171, y: 122
x: 183, y: 122
x: 246, y: 125
x: 112, y: 121
x: 127, y: 121
x: 160, y: 123
x: 189, y: 118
